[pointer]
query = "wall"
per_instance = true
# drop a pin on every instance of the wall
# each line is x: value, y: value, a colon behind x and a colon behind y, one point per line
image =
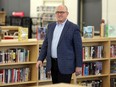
x: 112, y: 12
x: 108, y: 11
x: 72, y: 7
x: 15, y: 5
x: 108, y: 8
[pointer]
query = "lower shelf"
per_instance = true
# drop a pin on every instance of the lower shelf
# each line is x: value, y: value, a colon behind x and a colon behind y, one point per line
x: 18, y: 83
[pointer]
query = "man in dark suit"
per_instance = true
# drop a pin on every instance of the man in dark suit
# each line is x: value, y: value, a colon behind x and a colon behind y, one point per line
x: 62, y: 48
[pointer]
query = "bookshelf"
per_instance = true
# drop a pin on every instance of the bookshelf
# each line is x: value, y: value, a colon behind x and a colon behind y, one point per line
x: 105, y: 76
x: 103, y: 58
x: 2, y: 17
x: 112, y: 62
x: 24, y: 72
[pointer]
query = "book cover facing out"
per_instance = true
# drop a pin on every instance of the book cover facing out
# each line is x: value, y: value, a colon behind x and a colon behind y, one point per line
x: 23, y: 34
x: 88, y: 31
x: 41, y: 33
x: 110, y: 30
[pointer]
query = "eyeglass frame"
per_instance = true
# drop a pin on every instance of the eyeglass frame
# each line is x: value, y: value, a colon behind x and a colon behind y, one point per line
x: 60, y: 12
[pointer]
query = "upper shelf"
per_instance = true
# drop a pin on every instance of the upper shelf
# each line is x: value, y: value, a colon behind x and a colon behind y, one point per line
x: 95, y: 39
x: 15, y: 42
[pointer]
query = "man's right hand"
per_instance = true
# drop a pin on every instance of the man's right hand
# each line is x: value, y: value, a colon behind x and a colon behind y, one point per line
x: 39, y: 64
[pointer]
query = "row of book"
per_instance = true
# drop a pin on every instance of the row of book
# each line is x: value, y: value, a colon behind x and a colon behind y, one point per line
x: 91, y: 83
x: 38, y: 32
x: 46, y: 8
x: 14, y: 75
x: 14, y: 55
x: 90, y: 52
x: 113, y: 82
x: 92, y: 68
x: 113, y: 50
x: 113, y: 67
x: 43, y: 75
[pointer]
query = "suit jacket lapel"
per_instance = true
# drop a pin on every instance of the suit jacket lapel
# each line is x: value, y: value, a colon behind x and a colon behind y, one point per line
x: 64, y: 31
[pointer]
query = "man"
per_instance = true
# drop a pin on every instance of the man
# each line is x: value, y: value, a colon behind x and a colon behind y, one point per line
x: 62, y: 48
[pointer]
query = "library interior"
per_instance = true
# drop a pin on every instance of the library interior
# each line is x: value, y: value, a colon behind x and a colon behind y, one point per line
x: 25, y: 39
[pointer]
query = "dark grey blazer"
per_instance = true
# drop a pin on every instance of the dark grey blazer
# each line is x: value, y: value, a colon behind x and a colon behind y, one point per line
x: 69, y: 50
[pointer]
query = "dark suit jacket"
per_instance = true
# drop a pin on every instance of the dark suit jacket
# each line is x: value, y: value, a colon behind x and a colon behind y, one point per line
x: 69, y: 50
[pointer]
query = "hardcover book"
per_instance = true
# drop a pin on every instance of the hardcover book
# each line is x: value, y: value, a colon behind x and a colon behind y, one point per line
x: 88, y: 31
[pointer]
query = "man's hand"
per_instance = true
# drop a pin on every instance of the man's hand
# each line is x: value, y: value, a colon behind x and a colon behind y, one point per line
x: 78, y: 71
x: 39, y: 64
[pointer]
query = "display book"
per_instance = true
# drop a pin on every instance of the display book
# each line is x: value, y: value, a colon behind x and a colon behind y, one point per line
x: 88, y: 31
x: 17, y: 62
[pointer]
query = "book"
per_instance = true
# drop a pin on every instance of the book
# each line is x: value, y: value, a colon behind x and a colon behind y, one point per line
x: 110, y: 30
x: 23, y: 34
x: 88, y: 31
x: 41, y: 33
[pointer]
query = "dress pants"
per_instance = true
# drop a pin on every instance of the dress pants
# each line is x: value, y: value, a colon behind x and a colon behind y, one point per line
x: 58, y: 77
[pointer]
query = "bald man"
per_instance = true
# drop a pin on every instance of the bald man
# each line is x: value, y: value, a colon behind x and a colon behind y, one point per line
x: 62, y: 48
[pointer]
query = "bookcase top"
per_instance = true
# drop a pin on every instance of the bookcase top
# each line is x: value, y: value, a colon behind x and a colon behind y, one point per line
x: 15, y: 42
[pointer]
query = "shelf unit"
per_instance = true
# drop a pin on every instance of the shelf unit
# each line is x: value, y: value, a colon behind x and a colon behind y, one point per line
x: 32, y: 46
x: 105, y: 60
x: 112, y: 59
x: 105, y: 75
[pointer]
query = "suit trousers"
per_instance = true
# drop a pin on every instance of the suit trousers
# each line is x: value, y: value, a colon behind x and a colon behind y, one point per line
x: 57, y: 76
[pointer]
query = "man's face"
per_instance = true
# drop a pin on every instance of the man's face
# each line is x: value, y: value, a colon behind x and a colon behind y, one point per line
x: 61, y: 14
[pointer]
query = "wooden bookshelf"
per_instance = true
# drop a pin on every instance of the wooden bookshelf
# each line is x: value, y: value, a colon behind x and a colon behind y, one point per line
x: 112, y: 58
x: 32, y: 46
x: 104, y: 76
x: 2, y: 17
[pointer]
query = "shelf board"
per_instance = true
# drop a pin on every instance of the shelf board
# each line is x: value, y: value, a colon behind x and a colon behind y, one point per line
x: 96, y: 59
x: 91, y: 76
x: 52, y: 0
x: 47, y: 12
x: 112, y: 74
x: 9, y: 28
x: 113, y: 58
x: 112, y: 39
x: 42, y: 81
x: 40, y: 42
x: 18, y: 83
x: 17, y: 63
x: 95, y: 39
x: 15, y: 42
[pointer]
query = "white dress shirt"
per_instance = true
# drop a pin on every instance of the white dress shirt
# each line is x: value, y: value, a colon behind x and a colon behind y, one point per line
x: 56, y: 36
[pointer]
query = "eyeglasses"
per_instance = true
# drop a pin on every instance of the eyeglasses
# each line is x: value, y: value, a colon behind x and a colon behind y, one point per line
x: 60, y: 12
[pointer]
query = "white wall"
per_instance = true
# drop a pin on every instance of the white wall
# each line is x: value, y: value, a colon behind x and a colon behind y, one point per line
x: 33, y: 7
x: 72, y: 7
x: 104, y: 10
x: 108, y: 11
x: 112, y: 12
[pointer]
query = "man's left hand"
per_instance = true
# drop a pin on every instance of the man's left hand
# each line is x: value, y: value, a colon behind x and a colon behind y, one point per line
x: 78, y: 71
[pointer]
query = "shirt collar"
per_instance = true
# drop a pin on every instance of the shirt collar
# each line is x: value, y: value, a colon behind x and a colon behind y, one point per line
x: 61, y: 23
